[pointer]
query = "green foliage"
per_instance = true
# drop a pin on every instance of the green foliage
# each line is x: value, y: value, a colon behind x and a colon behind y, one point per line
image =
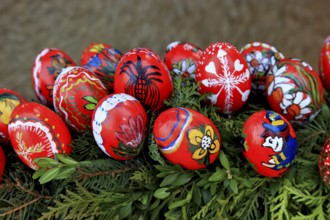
x: 90, y: 185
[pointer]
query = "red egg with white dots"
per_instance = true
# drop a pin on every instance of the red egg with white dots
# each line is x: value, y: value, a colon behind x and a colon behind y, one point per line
x: 324, y: 162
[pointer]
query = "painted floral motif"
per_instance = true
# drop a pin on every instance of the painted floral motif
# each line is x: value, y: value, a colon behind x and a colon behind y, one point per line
x: 97, y: 48
x: 203, y: 142
x: 91, y: 102
x: 259, y: 64
x: 7, y: 104
x: 185, y: 68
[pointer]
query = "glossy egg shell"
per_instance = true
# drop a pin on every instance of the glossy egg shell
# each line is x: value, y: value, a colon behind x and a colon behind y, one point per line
x: 9, y: 99
x: 142, y: 74
x: 223, y: 72
x: 47, y: 66
x: 324, y: 64
x: 36, y: 131
x: 2, y: 162
x: 76, y: 93
x: 324, y: 162
x: 119, y: 126
x: 269, y: 143
x: 181, y: 58
x: 295, y: 91
x: 101, y: 59
x: 261, y: 57
x: 187, y: 137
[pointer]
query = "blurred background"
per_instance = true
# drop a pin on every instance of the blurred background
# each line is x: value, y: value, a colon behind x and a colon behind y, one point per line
x: 296, y: 28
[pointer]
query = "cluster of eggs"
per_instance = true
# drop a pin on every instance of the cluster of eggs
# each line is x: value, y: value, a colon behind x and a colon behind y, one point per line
x: 110, y: 93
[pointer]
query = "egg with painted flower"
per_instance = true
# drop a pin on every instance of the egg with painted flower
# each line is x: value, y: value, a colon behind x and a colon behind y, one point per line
x: 119, y: 125
x: 269, y: 143
x: 187, y: 138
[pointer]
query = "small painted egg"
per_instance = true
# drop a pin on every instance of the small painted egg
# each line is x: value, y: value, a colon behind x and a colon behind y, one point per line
x: 324, y: 64
x: 9, y: 99
x: 36, y: 131
x: 46, y: 67
x: 324, y: 162
x: 223, y: 72
x: 76, y: 93
x: 187, y: 137
x: 181, y: 58
x: 269, y: 143
x: 142, y: 74
x: 2, y: 162
x: 119, y: 126
x: 101, y: 59
x: 261, y: 57
x: 295, y: 91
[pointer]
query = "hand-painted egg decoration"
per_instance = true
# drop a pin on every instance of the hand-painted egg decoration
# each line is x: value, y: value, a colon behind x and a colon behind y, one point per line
x: 324, y: 162
x: 223, y: 72
x: 295, y: 91
x: 324, y: 64
x: 187, y: 137
x: 2, y: 162
x: 36, y: 131
x: 46, y: 67
x: 102, y: 59
x: 9, y: 99
x: 269, y: 143
x: 181, y: 58
x: 76, y: 93
x: 119, y: 126
x: 142, y: 74
x: 261, y: 58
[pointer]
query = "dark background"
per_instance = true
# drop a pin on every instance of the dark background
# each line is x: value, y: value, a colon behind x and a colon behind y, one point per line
x: 296, y: 28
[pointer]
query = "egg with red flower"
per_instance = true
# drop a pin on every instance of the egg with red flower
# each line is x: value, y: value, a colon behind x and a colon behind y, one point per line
x: 76, y: 93
x: 119, y: 126
x: 142, y: 74
x: 9, y: 99
x: 46, y: 67
x: 295, y: 91
x: 187, y: 138
x: 324, y: 63
x: 36, y: 131
x: 181, y: 58
x: 269, y: 143
x: 223, y: 72
x: 102, y: 60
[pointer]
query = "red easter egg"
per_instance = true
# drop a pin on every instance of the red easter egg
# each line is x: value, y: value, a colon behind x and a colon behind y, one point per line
x: 9, y: 99
x: 119, y: 126
x: 142, y: 74
x: 261, y: 57
x: 101, y: 59
x: 223, y: 72
x: 187, y: 137
x: 181, y: 58
x: 269, y: 143
x: 2, y: 162
x: 324, y: 64
x: 76, y: 93
x: 324, y: 162
x: 46, y: 67
x: 36, y: 131
x: 295, y: 91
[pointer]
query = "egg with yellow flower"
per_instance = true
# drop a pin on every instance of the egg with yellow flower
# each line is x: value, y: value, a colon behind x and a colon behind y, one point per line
x: 187, y: 138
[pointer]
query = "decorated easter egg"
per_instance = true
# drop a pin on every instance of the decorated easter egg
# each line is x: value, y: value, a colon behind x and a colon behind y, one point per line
x: 324, y: 162
x: 223, y: 72
x: 181, y: 58
x: 295, y: 91
x: 269, y: 143
x: 324, y: 64
x: 187, y: 137
x: 102, y: 59
x: 2, y: 162
x: 142, y: 74
x: 76, y: 93
x: 46, y: 67
x: 36, y: 131
x: 119, y: 126
x: 261, y: 57
x: 9, y: 99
